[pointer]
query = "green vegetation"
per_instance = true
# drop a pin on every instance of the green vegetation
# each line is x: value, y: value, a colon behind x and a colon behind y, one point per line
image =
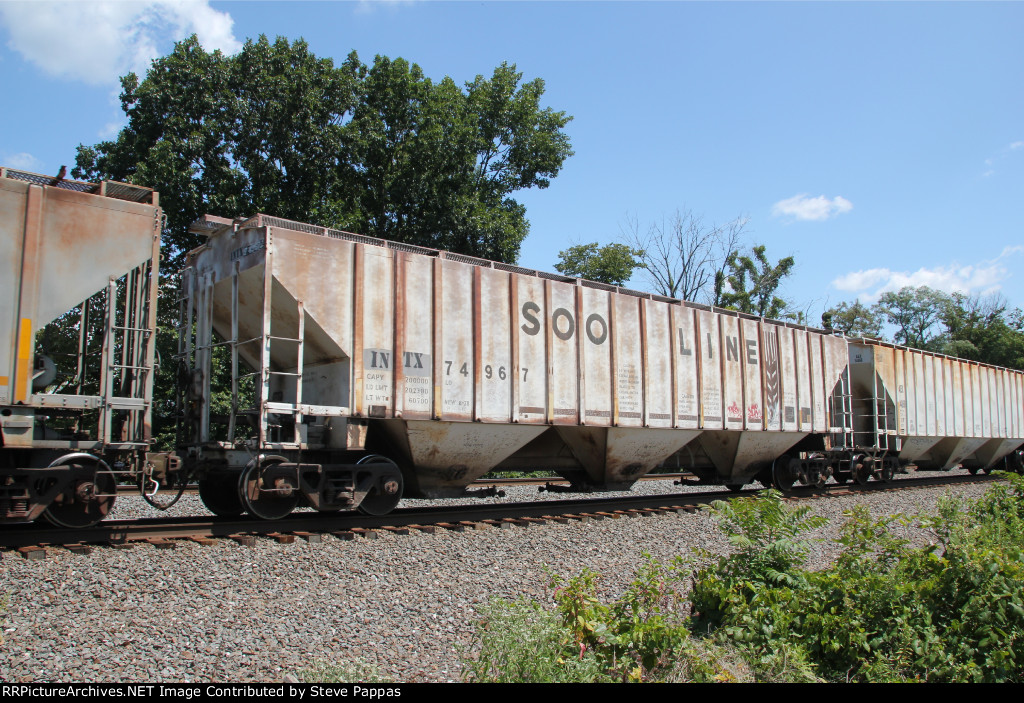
x: 884, y: 611
x: 377, y: 149
x: 351, y: 672
x: 612, y: 264
x: 752, y: 283
x: 968, y: 326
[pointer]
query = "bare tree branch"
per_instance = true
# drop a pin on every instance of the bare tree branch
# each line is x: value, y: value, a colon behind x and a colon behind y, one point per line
x: 681, y: 255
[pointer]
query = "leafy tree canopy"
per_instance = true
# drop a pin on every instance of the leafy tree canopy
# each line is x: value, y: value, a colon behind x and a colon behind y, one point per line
x: 381, y: 149
x: 855, y: 319
x: 752, y: 282
x: 915, y: 312
x: 612, y: 263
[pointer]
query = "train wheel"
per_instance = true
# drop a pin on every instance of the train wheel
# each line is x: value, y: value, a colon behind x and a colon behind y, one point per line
x: 859, y: 469
x: 91, y: 498
x: 266, y: 492
x: 388, y: 489
x: 782, y: 473
x: 219, y: 493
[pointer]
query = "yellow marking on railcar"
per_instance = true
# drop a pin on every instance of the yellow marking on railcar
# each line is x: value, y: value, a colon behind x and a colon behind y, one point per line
x: 24, y: 359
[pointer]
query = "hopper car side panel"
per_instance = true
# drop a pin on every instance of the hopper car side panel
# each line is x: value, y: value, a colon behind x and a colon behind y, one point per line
x: 732, y: 372
x: 686, y: 359
x: 596, y: 357
x: 750, y: 355
x: 712, y: 413
x: 657, y: 364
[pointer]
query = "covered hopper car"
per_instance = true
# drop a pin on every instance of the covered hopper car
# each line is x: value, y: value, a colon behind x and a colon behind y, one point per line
x: 363, y: 370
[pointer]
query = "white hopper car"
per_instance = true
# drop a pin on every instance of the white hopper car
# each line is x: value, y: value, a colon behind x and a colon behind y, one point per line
x: 435, y: 368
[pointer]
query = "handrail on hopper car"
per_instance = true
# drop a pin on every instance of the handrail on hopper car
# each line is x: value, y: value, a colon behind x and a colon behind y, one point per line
x: 107, y: 189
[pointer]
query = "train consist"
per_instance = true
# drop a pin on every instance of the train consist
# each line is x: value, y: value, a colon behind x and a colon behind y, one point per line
x: 362, y: 370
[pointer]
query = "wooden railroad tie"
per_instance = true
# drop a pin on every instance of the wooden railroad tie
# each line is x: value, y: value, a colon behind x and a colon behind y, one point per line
x: 204, y: 541
x: 500, y: 524
x: 395, y: 530
x: 245, y: 540
x: 427, y: 529
x: 282, y: 538
x: 32, y: 553
x: 311, y: 537
x: 78, y: 548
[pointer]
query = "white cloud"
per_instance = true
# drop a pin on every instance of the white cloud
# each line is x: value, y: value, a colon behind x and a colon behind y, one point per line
x: 96, y: 41
x: 23, y: 161
x: 1003, y: 153
x: 366, y: 7
x: 983, y: 277
x: 804, y: 207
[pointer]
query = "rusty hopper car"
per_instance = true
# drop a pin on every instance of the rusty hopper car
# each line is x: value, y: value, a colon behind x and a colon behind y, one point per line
x: 935, y: 411
x: 363, y: 368
x: 75, y: 419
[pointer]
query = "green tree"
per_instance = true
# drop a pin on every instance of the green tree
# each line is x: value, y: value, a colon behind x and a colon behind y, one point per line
x: 917, y: 315
x: 855, y: 319
x: 612, y: 263
x: 979, y: 328
x: 381, y: 150
x: 752, y: 282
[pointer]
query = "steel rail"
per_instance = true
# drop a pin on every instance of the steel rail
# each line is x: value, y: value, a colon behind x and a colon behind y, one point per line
x: 192, y: 489
x: 126, y: 531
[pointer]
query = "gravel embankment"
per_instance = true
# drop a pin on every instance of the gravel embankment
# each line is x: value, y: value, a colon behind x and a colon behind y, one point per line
x: 405, y: 604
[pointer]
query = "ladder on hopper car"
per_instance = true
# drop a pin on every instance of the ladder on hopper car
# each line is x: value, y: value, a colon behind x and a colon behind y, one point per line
x: 842, y: 413
x: 196, y: 346
x: 886, y: 438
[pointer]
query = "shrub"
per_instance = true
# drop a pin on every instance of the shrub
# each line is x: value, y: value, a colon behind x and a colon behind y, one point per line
x: 884, y: 611
x: 350, y: 672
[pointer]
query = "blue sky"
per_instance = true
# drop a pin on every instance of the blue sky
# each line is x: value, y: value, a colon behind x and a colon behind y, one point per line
x: 880, y: 144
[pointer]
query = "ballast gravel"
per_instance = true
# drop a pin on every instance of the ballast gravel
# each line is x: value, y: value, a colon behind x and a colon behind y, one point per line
x: 405, y: 605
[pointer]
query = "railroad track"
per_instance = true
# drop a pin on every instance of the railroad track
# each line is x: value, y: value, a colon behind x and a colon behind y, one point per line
x: 192, y: 489
x: 32, y: 540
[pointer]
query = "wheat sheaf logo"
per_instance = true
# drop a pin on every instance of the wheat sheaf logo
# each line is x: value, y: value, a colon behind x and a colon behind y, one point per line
x: 771, y: 375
